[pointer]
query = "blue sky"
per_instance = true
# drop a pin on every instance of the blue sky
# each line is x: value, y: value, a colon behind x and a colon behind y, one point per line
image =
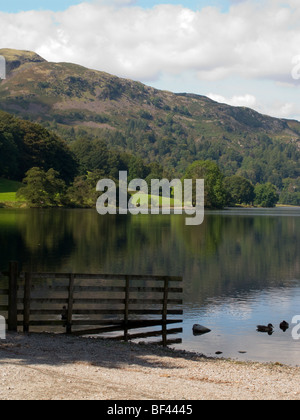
x: 14, y: 6
x: 240, y: 52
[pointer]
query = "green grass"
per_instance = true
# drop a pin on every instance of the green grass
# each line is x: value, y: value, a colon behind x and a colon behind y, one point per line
x: 145, y: 199
x: 8, y: 190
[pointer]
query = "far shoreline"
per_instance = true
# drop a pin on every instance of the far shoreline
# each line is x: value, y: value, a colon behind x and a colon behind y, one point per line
x: 14, y: 205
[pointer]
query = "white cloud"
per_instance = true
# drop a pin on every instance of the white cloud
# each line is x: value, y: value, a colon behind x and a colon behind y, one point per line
x: 277, y: 109
x: 253, y: 40
x: 284, y: 110
x: 244, y: 100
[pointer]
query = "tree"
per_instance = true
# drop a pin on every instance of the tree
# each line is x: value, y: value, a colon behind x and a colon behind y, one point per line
x: 215, y: 195
x: 240, y: 190
x: 290, y: 193
x: 265, y: 195
x: 82, y: 193
x: 91, y: 154
x: 8, y: 156
x: 42, y: 189
x: 137, y: 168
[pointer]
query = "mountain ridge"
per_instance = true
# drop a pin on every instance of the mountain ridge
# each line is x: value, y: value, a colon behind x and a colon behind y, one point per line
x: 20, y: 60
x: 77, y: 102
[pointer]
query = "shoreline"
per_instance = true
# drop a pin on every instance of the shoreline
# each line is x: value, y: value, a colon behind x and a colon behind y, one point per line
x: 59, y: 367
x: 14, y: 205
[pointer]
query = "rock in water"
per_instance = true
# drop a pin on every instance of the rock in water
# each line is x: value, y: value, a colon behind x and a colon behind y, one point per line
x: 200, y: 329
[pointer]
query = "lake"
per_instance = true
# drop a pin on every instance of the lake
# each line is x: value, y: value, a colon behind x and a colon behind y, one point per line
x: 241, y: 267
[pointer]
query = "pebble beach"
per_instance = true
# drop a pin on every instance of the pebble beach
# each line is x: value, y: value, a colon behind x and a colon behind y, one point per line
x: 60, y: 367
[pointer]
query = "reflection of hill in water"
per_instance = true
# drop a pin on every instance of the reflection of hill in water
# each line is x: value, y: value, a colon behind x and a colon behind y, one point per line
x: 228, y: 253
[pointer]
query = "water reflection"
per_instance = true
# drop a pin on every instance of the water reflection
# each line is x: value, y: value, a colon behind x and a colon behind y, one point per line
x: 228, y: 262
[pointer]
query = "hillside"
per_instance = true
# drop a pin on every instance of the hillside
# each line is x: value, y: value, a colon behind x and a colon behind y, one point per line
x: 78, y: 102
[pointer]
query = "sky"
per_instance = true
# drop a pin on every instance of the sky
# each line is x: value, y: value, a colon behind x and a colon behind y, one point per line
x: 240, y: 52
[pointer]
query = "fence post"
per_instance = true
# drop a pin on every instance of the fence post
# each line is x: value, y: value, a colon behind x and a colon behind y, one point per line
x: 165, y: 300
x: 165, y: 311
x: 12, y: 296
x: 126, y: 310
x: 70, y: 304
x: 27, y: 295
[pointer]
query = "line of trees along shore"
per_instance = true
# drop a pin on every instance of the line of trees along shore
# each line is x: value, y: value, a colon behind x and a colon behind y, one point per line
x: 55, y: 173
x: 47, y: 189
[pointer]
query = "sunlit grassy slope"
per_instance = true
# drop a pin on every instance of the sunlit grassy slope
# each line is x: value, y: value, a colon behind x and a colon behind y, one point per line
x: 8, y: 190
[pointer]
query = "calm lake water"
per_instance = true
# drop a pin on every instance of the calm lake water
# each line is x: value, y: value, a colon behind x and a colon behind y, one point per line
x: 240, y: 267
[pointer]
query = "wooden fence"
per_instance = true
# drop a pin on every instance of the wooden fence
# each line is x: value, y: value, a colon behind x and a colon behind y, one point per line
x: 87, y: 304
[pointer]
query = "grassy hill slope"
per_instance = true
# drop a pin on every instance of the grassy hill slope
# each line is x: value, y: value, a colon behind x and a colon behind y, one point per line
x: 161, y: 126
x: 8, y: 191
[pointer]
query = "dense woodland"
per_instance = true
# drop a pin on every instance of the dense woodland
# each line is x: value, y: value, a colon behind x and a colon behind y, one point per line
x: 57, y: 173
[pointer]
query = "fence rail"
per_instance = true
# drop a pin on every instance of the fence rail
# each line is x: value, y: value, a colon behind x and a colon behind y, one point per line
x: 86, y: 304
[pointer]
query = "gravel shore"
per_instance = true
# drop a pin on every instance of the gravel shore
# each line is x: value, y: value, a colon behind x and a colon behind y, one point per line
x: 59, y: 367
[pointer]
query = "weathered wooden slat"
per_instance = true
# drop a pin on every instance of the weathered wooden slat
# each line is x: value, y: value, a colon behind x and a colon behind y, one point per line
x: 89, y: 301
x: 97, y: 289
x: 99, y: 322
x: 41, y: 311
x: 103, y: 277
x: 46, y: 300
x: 47, y: 288
x: 139, y: 289
x: 123, y: 277
x: 99, y: 311
x: 106, y: 301
x: 43, y: 323
x: 56, y: 276
x: 101, y: 330
x: 132, y: 324
x: 155, y: 289
x: 156, y: 301
x: 131, y: 311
